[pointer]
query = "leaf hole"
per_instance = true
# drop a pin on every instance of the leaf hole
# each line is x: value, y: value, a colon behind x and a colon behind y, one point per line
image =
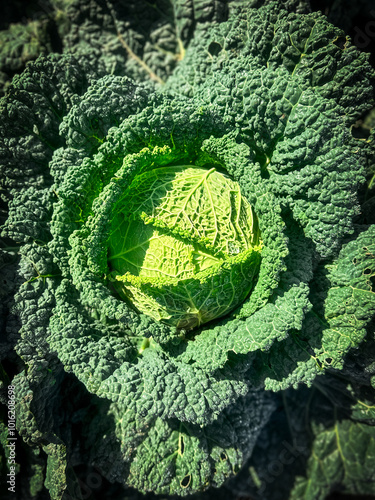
x: 340, y: 42
x: 223, y: 456
x: 367, y: 271
x: 354, y: 261
x: 329, y: 361
x: 186, y: 481
x: 214, y: 48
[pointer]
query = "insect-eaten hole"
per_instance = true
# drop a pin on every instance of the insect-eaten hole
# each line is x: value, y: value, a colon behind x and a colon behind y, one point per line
x: 214, y: 48
x: 367, y: 271
x: 185, y: 481
x: 223, y: 456
x: 340, y: 42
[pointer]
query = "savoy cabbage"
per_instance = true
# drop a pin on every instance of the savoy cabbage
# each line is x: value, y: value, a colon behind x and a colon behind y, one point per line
x: 188, y: 274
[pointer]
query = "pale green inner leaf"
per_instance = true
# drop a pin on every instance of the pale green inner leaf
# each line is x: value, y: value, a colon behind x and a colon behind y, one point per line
x: 171, y: 225
x: 179, y: 220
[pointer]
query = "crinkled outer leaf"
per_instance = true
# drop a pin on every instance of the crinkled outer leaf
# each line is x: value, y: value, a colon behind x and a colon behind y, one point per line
x: 31, y: 115
x: 346, y: 454
x: 337, y: 322
x: 173, y: 457
x: 135, y: 38
x: 342, y: 454
x: 365, y: 131
x: 28, y: 31
x: 21, y: 43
